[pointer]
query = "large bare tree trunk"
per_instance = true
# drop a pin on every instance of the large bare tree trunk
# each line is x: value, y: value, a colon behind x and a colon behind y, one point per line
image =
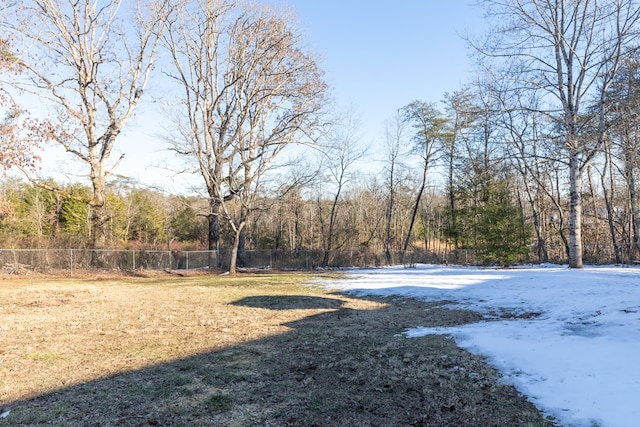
x: 99, y: 222
x: 213, y: 240
x: 237, y: 235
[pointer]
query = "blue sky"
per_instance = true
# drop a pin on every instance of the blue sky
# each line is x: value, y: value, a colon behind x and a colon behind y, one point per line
x: 381, y: 55
x: 378, y: 56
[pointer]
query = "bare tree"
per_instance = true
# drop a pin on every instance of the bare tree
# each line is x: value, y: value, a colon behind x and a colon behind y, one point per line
x: 340, y: 152
x: 90, y: 61
x: 249, y: 89
x: 608, y: 182
x: 570, y: 49
x: 624, y: 119
x: 523, y: 132
x: 429, y: 136
x: 394, y: 144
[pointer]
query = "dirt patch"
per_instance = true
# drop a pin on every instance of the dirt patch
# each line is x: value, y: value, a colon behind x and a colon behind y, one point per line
x: 252, y: 350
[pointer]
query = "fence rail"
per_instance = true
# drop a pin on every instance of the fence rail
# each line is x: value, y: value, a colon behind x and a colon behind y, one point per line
x: 24, y: 261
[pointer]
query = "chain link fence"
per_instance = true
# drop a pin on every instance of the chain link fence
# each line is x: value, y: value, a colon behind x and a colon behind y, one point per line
x: 70, y: 261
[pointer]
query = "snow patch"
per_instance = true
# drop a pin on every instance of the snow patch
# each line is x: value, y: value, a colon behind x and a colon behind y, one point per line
x: 576, y: 359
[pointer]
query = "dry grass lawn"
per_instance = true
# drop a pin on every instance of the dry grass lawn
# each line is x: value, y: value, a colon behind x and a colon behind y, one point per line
x: 249, y: 350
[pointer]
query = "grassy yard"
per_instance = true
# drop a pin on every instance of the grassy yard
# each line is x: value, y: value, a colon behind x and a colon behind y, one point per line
x: 249, y: 350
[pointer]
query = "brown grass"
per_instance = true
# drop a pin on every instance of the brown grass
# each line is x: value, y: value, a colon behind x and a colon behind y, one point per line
x: 249, y: 350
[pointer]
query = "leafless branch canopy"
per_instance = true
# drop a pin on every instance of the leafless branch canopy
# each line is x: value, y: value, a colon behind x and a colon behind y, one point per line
x: 248, y: 89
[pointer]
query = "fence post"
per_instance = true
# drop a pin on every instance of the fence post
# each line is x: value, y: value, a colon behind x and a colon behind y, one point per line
x: 71, y: 260
x: 187, y: 261
x: 133, y: 259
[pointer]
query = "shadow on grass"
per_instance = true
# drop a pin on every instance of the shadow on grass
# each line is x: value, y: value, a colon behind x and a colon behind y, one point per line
x: 342, y: 367
x: 290, y: 302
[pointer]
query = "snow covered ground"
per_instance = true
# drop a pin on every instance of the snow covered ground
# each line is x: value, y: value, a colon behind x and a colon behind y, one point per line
x: 578, y: 360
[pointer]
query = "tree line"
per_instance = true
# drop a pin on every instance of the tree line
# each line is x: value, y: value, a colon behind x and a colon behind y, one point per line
x: 534, y: 160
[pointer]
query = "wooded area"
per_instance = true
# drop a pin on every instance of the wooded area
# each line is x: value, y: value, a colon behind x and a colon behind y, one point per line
x: 536, y: 160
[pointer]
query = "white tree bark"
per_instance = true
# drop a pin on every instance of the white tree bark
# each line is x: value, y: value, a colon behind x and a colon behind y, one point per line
x: 571, y: 50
